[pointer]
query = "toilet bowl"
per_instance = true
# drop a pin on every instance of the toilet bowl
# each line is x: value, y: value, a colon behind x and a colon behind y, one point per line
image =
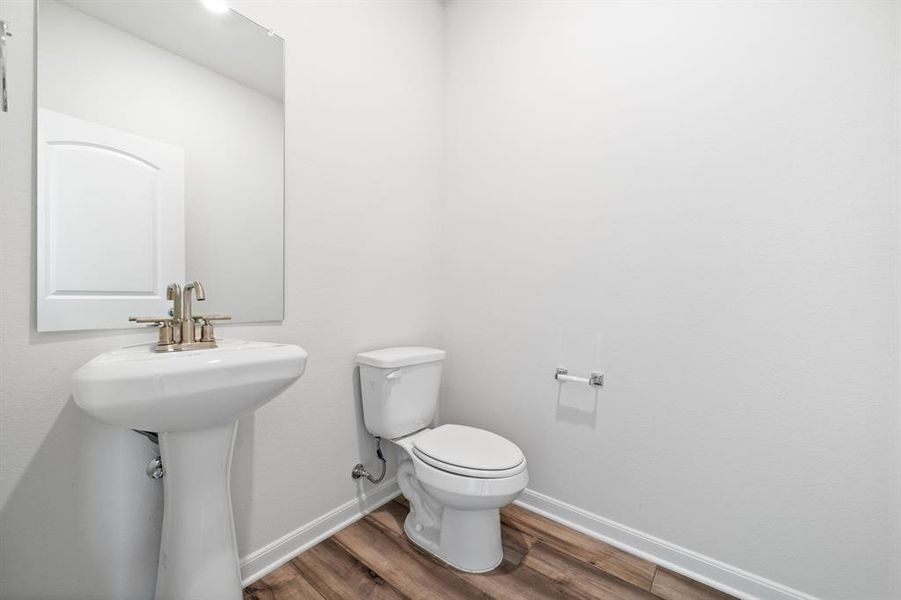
x: 455, y: 477
x: 454, y: 506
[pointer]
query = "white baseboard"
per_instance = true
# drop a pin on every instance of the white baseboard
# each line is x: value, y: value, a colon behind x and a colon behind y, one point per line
x: 277, y: 553
x: 714, y: 573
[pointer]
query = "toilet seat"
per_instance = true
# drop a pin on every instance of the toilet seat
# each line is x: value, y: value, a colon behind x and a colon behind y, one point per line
x: 468, y: 452
x: 468, y: 490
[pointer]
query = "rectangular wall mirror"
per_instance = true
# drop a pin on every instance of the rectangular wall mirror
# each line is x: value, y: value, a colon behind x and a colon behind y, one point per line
x: 160, y: 159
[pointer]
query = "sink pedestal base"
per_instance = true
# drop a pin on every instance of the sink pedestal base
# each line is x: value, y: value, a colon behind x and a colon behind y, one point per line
x: 198, y: 552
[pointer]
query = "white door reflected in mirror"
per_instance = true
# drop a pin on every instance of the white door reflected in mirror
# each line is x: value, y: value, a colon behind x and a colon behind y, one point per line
x: 111, y: 225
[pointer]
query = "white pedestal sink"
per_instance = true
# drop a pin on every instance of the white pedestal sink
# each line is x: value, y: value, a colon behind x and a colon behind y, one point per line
x: 193, y: 399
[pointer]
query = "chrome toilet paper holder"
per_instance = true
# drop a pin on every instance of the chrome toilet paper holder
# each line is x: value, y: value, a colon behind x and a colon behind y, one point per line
x: 594, y: 379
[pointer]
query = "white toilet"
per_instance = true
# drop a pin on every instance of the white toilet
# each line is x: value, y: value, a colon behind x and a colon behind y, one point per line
x: 455, y: 477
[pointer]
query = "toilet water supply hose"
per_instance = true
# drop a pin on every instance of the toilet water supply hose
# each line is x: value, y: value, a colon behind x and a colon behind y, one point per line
x: 360, y: 471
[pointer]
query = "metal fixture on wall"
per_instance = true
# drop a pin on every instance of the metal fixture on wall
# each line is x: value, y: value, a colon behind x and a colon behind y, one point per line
x: 595, y: 378
x: 4, y: 33
x: 360, y: 471
x: 155, y: 469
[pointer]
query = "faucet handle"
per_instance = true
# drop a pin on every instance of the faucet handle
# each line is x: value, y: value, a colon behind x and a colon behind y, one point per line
x: 206, y: 326
x: 166, y: 339
x: 214, y: 317
x: 161, y: 321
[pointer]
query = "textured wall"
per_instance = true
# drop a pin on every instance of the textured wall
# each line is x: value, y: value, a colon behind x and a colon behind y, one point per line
x: 700, y: 198
x: 78, y: 519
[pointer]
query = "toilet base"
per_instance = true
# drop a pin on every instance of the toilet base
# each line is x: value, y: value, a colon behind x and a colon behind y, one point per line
x: 468, y: 540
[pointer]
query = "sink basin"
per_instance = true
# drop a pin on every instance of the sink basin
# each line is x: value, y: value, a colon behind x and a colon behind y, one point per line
x: 181, y: 391
x: 193, y: 400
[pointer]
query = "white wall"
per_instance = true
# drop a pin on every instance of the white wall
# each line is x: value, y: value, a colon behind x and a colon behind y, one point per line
x: 232, y: 136
x: 363, y: 119
x: 702, y: 200
x: 699, y: 198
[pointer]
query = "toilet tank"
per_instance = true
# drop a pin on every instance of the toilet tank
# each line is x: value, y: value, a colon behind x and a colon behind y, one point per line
x: 400, y: 388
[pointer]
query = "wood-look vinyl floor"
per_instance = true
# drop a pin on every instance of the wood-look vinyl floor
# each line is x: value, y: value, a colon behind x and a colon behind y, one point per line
x: 372, y: 558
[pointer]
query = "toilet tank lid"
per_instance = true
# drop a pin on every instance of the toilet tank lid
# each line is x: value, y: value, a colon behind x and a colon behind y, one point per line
x: 401, y: 356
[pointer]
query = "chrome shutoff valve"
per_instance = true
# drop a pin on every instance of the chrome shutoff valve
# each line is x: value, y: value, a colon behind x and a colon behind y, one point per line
x: 155, y: 468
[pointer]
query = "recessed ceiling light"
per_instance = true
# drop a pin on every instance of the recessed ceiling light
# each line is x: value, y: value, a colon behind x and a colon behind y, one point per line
x: 219, y: 7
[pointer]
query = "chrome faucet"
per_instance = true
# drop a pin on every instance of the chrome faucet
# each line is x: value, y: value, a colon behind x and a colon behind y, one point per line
x: 178, y: 330
x: 188, y: 333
